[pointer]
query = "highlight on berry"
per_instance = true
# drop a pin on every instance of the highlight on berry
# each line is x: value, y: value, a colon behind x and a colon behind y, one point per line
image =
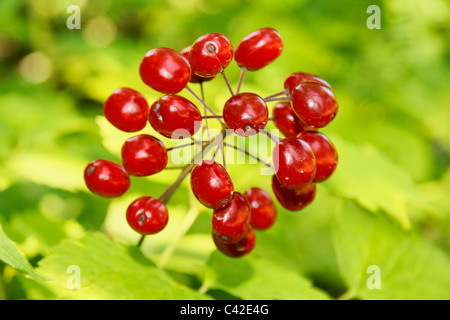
x: 301, y: 156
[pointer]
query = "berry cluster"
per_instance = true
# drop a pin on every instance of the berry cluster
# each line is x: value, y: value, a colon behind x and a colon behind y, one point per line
x: 300, y: 159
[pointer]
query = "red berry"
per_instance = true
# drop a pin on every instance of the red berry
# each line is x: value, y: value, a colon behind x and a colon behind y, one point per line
x: 263, y: 211
x: 238, y: 249
x: 258, y: 49
x: 147, y: 215
x: 210, y: 54
x: 211, y: 184
x: 231, y: 222
x: 296, y: 78
x: 126, y: 109
x: 293, y: 199
x: 324, y: 152
x: 194, y: 77
x: 287, y: 121
x: 294, y: 162
x: 314, y: 103
x: 246, y: 113
x: 143, y: 155
x: 106, y: 178
x: 175, y: 114
x: 165, y: 70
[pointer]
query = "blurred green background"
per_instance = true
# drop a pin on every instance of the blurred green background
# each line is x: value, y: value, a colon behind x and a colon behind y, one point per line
x: 387, y: 204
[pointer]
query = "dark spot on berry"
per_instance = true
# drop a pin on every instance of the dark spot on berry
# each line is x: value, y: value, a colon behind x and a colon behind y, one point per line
x: 90, y: 170
x: 141, y: 218
x: 211, y: 48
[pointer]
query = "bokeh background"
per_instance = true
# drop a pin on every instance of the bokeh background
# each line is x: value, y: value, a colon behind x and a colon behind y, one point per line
x: 386, y: 205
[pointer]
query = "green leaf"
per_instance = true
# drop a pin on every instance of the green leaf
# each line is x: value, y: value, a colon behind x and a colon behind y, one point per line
x: 369, y: 177
x: 256, y: 277
x: 409, y: 267
x: 303, y: 240
x: 56, y: 168
x: 109, y: 270
x: 10, y: 255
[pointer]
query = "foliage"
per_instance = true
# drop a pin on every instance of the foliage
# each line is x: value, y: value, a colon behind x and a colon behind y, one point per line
x: 386, y: 205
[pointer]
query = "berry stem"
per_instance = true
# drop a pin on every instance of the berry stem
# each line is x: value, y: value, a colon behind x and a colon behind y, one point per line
x: 249, y: 154
x: 212, y: 117
x: 203, y: 102
x: 222, y: 139
x: 227, y: 82
x: 165, y: 196
x: 241, y: 78
x: 182, y: 145
x: 141, y: 240
x: 284, y: 98
x: 174, y: 168
x: 271, y: 136
x: 223, y: 154
x: 285, y: 92
x: 182, y: 230
x: 205, y: 111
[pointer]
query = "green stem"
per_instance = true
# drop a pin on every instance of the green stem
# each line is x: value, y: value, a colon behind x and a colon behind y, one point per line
x: 182, y: 230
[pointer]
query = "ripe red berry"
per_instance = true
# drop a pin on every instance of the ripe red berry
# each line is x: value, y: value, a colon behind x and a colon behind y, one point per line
x: 293, y: 199
x: 143, y: 155
x: 211, y: 184
x: 263, y: 210
x: 287, y: 121
x: 258, y: 49
x: 231, y: 222
x: 194, y: 77
x: 210, y: 54
x: 294, y: 162
x: 147, y: 215
x: 126, y: 109
x: 238, y: 249
x: 296, y: 78
x: 246, y: 113
x: 324, y: 152
x: 106, y: 178
x: 314, y: 103
x: 165, y: 70
x: 175, y: 115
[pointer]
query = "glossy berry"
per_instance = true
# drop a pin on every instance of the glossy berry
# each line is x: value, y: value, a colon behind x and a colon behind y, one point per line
x: 287, y: 121
x: 314, y: 103
x: 175, y: 117
x: 294, y: 162
x: 210, y: 54
x: 165, y: 70
x: 194, y: 77
x: 211, y: 184
x: 106, y: 178
x: 231, y: 222
x: 293, y: 199
x: 296, y: 78
x: 262, y: 209
x: 324, y: 152
x: 258, y: 49
x: 238, y: 249
x: 147, y: 215
x: 126, y: 109
x: 143, y: 155
x: 246, y: 113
